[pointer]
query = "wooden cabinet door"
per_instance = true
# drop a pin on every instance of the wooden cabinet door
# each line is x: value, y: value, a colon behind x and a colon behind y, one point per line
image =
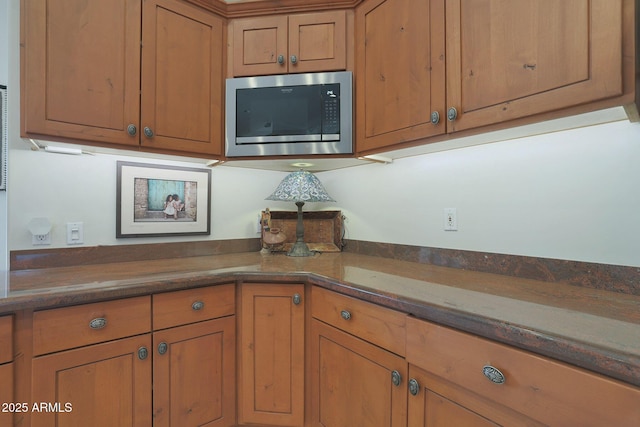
x: 194, y: 375
x: 300, y: 43
x: 511, y: 59
x: 352, y: 381
x: 271, y: 374
x: 6, y: 396
x: 260, y: 46
x: 317, y: 42
x: 81, y: 69
x: 102, y: 385
x: 182, y: 69
x: 433, y: 403
x: 400, y: 72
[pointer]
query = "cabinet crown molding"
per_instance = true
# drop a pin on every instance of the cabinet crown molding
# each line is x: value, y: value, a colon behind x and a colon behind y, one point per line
x: 244, y: 8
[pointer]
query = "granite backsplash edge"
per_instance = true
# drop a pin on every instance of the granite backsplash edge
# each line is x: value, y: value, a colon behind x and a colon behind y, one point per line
x: 614, y: 278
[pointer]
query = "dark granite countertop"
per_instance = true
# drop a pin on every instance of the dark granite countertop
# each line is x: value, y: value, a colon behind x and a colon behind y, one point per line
x: 591, y: 328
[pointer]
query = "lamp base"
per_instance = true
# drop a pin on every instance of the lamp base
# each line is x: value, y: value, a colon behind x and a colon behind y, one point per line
x: 300, y: 249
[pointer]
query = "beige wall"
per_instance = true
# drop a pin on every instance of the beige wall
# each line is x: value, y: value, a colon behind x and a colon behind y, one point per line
x: 570, y: 195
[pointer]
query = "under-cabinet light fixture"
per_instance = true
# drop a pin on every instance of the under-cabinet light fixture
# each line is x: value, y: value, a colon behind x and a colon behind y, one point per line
x: 377, y: 159
x: 216, y: 162
x: 302, y: 165
x: 63, y: 150
x: 57, y: 150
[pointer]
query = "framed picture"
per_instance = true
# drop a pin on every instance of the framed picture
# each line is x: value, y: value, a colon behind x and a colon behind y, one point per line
x: 153, y: 200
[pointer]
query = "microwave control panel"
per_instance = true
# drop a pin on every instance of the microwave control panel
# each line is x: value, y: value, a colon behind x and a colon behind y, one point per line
x: 331, y: 109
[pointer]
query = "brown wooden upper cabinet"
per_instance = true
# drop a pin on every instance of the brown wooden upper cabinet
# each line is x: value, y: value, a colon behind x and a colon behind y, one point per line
x: 504, y: 60
x: 400, y: 66
x: 283, y: 44
x: 131, y: 74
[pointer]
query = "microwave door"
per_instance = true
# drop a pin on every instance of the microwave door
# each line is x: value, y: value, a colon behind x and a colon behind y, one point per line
x: 278, y: 114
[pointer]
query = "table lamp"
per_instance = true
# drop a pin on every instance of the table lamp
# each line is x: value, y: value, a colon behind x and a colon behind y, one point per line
x: 300, y: 187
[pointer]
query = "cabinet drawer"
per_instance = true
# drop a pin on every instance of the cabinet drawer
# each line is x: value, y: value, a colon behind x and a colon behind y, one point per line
x: 6, y: 338
x: 546, y: 390
x: 63, y: 328
x: 378, y: 325
x: 192, y: 305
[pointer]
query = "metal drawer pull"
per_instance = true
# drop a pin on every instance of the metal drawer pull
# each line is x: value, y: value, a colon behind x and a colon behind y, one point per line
x: 493, y: 374
x: 345, y: 315
x: 198, y: 305
x: 143, y: 353
x: 297, y: 299
x: 98, y: 323
x: 414, y: 387
x: 396, y: 378
x: 162, y: 347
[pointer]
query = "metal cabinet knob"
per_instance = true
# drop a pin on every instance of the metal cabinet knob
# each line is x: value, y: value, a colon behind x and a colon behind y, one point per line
x: 396, y: 378
x: 162, y: 347
x: 452, y: 114
x: 297, y: 299
x: 148, y: 132
x: 294, y: 59
x: 132, y: 129
x: 493, y: 374
x: 198, y: 305
x: 281, y: 59
x: 345, y: 315
x: 435, y: 117
x: 414, y: 387
x: 143, y: 353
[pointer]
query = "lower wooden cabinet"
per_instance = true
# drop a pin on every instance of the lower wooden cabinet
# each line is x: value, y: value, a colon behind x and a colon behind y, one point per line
x: 6, y: 395
x: 194, y: 351
x: 105, y: 384
x: 272, y: 357
x: 6, y: 371
x: 113, y: 368
x: 474, y: 378
x: 432, y: 403
x: 194, y: 375
x: 355, y: 383
x: 173, y: 359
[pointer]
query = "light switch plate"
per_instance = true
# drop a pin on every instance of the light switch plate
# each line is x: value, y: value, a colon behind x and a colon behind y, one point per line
x: 75, y: 233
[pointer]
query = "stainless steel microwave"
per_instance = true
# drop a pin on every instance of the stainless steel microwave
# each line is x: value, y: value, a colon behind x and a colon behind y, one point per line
x: 293, y: 114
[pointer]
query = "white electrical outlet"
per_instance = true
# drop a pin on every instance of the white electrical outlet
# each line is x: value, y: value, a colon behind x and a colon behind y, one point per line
x: 450, y: 219
x: 41, y: 239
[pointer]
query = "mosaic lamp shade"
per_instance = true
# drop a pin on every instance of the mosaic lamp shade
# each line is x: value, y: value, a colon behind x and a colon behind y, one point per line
x: 300, y: 187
